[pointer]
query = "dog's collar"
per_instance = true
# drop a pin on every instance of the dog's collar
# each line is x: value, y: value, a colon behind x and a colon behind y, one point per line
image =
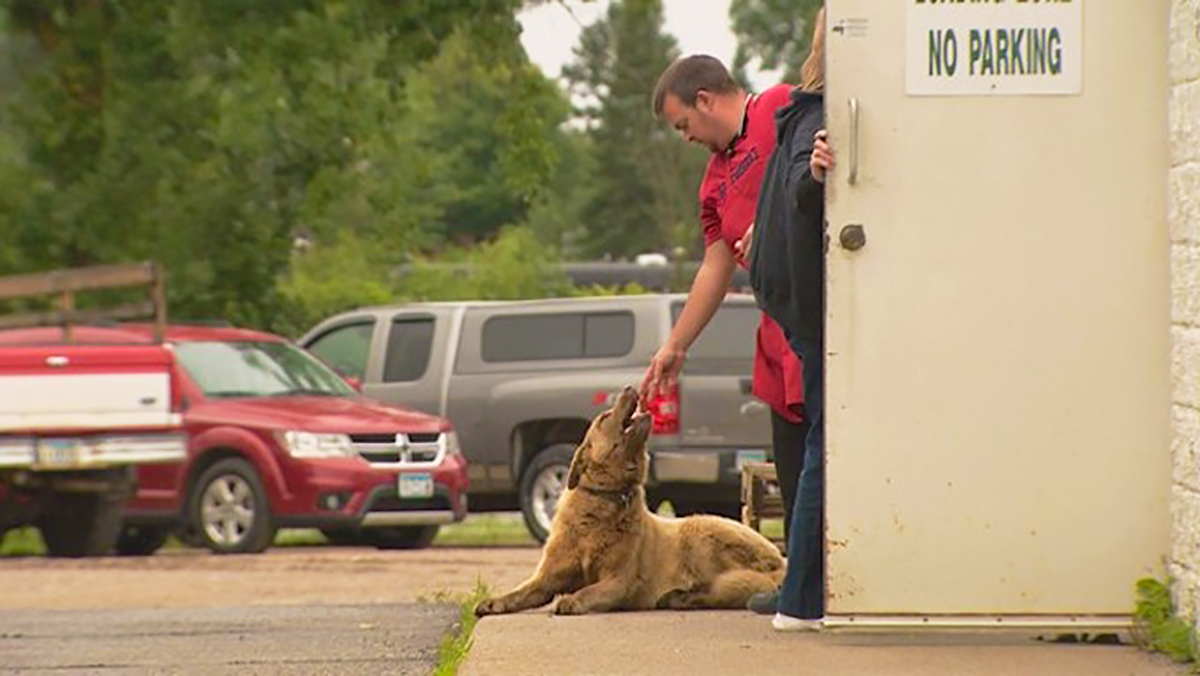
x: 621, y: 496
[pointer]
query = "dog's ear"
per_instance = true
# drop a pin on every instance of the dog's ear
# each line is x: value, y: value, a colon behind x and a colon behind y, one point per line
x: 578, y: 463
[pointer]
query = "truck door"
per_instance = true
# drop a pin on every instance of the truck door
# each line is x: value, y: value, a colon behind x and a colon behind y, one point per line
x: 716, y: 409
x: 998, y: 350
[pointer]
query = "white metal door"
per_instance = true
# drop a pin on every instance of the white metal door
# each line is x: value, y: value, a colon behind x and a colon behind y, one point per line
x: 998, y: 351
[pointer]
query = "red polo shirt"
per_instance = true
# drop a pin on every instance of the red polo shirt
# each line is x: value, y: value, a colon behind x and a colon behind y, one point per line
x: 728, y: 197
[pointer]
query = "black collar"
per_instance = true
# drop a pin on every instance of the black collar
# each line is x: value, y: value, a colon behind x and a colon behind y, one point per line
x: 623, y: 497
x: 729, y: 149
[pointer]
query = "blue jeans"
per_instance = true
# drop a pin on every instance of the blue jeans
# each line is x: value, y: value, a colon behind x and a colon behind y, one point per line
x: 803, y: 592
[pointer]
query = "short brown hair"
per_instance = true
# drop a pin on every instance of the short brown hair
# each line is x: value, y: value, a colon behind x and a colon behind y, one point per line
x: 688, y: 76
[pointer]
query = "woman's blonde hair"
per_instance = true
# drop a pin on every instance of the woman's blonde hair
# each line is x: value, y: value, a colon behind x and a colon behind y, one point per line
x: 812, y: 73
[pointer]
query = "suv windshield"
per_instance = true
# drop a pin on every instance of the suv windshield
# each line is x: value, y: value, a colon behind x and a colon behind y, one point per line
x: 258, y: 369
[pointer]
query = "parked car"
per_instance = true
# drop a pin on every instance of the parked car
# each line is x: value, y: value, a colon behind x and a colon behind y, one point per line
x: 77, y: 419
x: 278, y: 440
x: 520, y: 381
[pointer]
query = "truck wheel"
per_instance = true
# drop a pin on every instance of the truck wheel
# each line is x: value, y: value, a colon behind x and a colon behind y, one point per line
x: 229, y: 509
x: 401, y: 537
x: 142, y: 540
x: 82, y: 524
x: 542, y: 485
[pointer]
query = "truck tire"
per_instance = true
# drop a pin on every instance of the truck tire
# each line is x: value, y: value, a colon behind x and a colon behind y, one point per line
x: 82, y: 524
x: 542, y: 484
x: 401, y: 537
x: 229, y: 510
x: 142, y: 540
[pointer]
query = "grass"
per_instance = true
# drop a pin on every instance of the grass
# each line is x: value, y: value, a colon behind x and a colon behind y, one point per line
x: 456, y: 645
x: 486, y: 530
x: 25, y: 541
x: 1157, y: 626
x: 477, y: 530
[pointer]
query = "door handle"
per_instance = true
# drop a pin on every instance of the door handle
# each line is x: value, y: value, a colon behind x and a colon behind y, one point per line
x: 853, y: 150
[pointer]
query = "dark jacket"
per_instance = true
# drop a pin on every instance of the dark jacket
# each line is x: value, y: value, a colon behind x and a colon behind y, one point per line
x: 787, y: 255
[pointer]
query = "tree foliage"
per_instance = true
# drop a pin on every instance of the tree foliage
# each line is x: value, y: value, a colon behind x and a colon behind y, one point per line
x: 645, y: 179
x: 776, y: 33
x: 209, y: 134
x: 283, y: 159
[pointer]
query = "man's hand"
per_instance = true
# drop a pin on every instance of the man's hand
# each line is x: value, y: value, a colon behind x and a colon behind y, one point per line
x: 741, y: 248
x: 663, y: 374
x: 822, y: 160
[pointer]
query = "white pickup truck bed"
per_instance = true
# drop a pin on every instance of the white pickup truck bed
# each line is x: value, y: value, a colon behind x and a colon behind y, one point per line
x: 77, y: 406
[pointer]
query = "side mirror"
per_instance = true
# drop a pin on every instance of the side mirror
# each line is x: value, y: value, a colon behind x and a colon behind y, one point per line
x: 355, y: 382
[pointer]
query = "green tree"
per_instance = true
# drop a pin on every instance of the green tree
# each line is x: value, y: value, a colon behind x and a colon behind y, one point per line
x: 645, y: 179
x: 516, y: 265
x: 492, y: 121
x: 556, y: 217
x: 209, y: 134
x: 777, y: 33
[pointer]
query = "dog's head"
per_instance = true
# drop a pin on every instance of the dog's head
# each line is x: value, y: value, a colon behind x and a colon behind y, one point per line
x: 613, y: 455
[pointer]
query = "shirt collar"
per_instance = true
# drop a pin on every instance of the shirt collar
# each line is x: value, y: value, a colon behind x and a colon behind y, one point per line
x: 732, y: 147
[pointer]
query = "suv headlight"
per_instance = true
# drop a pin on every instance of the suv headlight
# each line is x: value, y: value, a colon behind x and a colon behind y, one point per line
x: 311, y: 445
x: 452, y: 447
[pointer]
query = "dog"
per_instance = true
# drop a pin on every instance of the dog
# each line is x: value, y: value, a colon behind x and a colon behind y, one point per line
x: 607, y: 552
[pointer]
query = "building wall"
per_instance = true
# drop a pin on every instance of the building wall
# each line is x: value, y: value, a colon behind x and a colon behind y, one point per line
x: 1184, y: 218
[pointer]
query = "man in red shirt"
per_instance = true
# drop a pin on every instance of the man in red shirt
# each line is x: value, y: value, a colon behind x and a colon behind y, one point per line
x: 698, y: 98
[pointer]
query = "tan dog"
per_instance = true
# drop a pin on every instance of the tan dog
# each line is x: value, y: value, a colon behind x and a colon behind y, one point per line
x: 606, y: 551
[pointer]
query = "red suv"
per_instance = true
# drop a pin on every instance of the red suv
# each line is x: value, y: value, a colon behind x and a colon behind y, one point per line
x: 279, y: 440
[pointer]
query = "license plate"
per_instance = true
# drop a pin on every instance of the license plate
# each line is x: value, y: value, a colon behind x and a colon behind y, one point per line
x: 750, y: 456
x: 59, y: 453
x: 416, y: 485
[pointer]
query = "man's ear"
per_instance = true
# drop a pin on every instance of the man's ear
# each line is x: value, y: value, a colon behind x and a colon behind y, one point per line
x: 704, y: 101
x: 578, y: 464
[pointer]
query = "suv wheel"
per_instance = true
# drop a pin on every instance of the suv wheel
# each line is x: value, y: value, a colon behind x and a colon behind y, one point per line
x: 345, y: 537
x: 542, y: 484
x: 401, y: 537
x: 229, y: 509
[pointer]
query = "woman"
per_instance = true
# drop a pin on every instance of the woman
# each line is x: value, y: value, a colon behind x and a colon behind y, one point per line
x: 787, y: 272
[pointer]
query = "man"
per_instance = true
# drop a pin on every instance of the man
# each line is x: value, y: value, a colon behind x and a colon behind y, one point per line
x: 697, y: 97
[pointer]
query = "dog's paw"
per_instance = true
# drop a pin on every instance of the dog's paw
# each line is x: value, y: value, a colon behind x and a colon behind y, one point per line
x: 676, y: 599
x: 488, y: 607
x: 568, y: 605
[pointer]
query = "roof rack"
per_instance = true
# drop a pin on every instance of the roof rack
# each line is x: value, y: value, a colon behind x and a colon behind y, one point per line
x: 65, y: 284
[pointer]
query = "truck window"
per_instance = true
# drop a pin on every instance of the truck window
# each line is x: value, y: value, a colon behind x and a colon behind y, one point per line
x: 730, y: 335
x: 346, y: 347
x: 568, y: 335
x: 608, y: 335
x: 410, y: 342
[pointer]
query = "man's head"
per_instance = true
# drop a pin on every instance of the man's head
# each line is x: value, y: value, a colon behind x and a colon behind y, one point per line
x: 698, y: 97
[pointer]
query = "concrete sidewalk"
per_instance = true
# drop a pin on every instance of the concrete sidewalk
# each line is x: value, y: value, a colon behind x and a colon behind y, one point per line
x: 715, y: 643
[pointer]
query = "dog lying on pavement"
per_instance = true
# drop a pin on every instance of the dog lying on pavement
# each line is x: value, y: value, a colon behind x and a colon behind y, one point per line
x: 606, y: 551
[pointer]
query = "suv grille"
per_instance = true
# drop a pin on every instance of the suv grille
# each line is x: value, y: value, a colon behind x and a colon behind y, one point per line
x: 400, y: 449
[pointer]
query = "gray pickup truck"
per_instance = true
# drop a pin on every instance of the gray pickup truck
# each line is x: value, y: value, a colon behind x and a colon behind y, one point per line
x: 520, y: 381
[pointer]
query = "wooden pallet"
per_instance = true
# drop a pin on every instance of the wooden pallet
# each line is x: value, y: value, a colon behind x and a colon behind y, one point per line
x: 760, y: 494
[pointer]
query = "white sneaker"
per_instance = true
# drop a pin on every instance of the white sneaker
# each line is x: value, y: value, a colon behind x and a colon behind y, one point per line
x: 783, y: 622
